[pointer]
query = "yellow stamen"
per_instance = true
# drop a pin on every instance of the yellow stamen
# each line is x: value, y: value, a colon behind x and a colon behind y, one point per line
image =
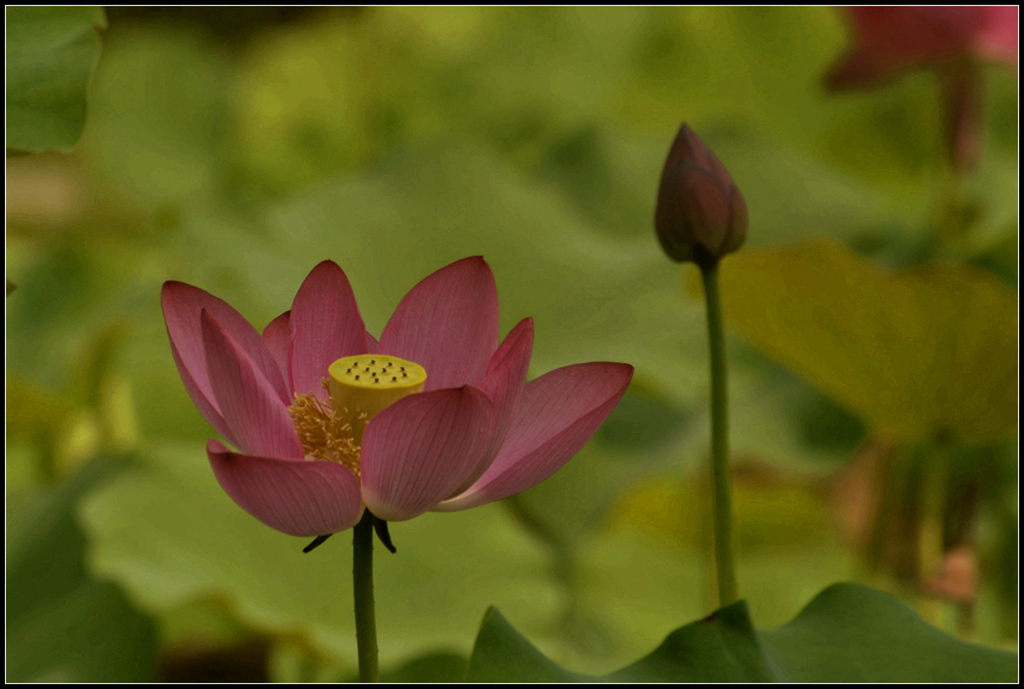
x: 360, y: 387
x: 326, y: 433
x: 368, y: 383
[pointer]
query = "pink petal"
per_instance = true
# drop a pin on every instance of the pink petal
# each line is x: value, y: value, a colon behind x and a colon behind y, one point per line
x: 278, y: 338
x: 298, y: 497
x: 893, y: 40
x: 182, y: 305
x: 556, y: 416
x: 688, y: 146
x: 448, y: 324
x: 997, y: 38
x: 506, y: 375
x: 419, y: 450
x: 372, y: 345
x: 202, y: 396
x: 694, y: 206
x: 255, y: 415
x: 327, y: 327
x: 861, y: 68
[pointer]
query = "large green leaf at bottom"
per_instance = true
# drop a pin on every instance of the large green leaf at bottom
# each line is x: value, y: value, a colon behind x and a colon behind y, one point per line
x: 848, y: 633
x: 926, y: 352
x: 63, y: 626
x: 851, y: 633
x: 51, y: 52
x: 92, y: 634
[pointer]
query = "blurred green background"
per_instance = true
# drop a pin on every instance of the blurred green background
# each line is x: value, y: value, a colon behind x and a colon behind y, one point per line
x: 234, y: 149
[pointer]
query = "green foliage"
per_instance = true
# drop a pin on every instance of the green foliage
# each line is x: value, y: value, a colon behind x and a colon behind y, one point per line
x: 436, y: 667
x: 157, y: 136
x: 848, y: 633
x: 852, y: 633
x: 62, y: 625
x: 911, y: 352
x: 292, y: 664
x: 51, y: 53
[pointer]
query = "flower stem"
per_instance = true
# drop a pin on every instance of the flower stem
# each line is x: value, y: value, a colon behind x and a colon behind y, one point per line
x: 931, y: 541
x: 725, y: 567
x: 362, y: 577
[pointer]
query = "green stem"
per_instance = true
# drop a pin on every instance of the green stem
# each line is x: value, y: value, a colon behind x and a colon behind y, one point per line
x: 362, y: 577
x: 931, y: 535
x: 725, y: 567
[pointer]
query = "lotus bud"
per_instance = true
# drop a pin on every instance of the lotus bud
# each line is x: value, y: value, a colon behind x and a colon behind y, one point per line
x: 701, y: 215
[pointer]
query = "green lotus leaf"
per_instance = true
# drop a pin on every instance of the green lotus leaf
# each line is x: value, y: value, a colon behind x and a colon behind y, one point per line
x: 51, y: 53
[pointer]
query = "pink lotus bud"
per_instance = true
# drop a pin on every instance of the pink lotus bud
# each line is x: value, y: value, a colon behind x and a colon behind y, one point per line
x: 701, y: 215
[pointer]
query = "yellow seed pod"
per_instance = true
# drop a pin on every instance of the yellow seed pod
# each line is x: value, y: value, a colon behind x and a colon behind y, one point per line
x: 368, y: 383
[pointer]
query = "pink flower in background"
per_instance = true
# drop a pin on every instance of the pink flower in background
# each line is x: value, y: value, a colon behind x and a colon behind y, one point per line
x: 889, y: 41
x: 327, y: 421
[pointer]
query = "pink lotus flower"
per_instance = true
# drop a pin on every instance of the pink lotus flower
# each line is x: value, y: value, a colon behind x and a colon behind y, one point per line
x: 950, y: 40
x: 893, y: 40
x: 309, y: 461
